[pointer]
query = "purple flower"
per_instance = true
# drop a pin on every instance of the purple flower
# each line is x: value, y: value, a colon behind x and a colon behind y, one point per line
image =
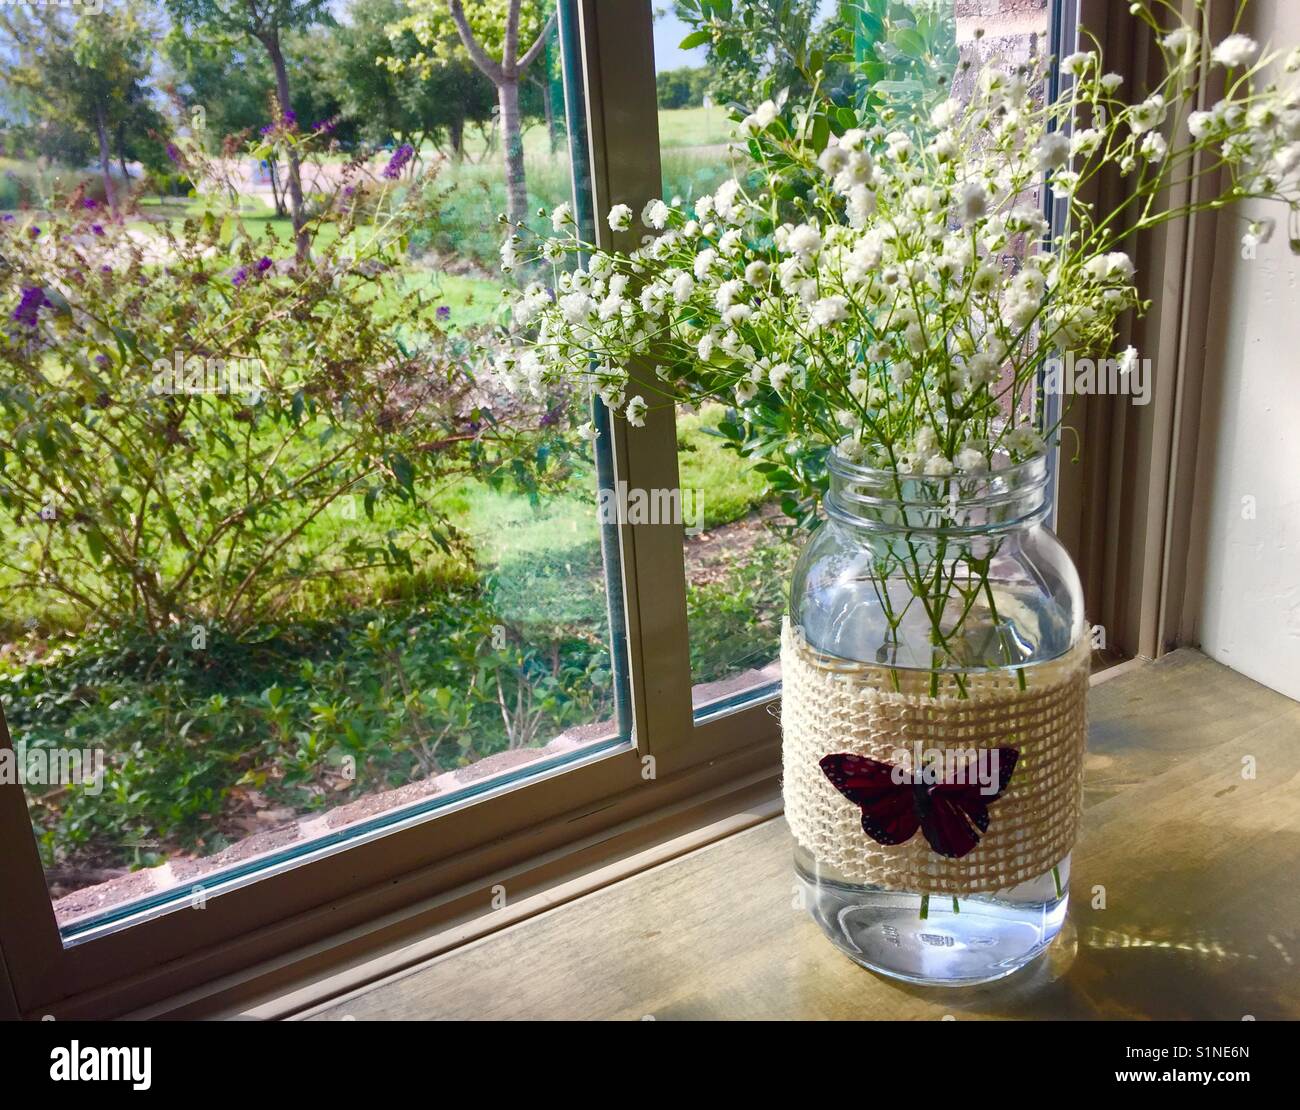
x: 398, y: 161
x: 444, y: 312
x: 240, y: 276
x: 289, y: 119
x: 263, y: 264
x: 34, y: 231
x: 7, y: 218
x: 89, y: 202
x: 97, y: 229
x: 106, y: 269
x: 33, y: 300
x: 267, y: 129
x: 325, y: 126
x: 101, y: 360
x: 174, y: 153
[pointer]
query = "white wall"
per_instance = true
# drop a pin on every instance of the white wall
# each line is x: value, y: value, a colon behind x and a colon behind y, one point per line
x: 1250, y: 608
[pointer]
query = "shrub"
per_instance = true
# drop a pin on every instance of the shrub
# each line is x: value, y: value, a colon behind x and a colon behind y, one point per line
x: 304, y: 715
x: 182, y: 412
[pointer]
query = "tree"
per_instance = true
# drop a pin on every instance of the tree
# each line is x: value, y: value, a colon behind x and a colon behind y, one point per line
x: 431, y: 102
x: 877, y: 55
x: 266, y: 21
x: 749, y: 41
x: 85, y: 74
x: 490, y: 32
x: 682, y: 88
x: 232, y: 85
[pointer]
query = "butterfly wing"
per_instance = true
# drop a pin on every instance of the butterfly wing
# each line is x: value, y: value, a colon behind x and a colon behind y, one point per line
x: 888, y: 808
x: 953, y: 812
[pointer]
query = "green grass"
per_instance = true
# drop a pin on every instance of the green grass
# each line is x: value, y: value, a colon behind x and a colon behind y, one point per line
x: 678, y: 127
x: 730, y: 487
x: 687, y: 127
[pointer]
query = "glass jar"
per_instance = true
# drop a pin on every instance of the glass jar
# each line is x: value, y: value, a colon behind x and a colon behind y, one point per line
x: 937, y: 581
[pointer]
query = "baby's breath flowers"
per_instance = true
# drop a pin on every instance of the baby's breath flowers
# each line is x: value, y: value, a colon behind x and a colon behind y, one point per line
x: 895, y: 282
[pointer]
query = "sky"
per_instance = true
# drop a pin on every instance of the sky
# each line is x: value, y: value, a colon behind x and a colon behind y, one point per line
x: 669, y: 31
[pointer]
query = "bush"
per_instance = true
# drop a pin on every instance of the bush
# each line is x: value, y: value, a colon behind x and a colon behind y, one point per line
x: 177, y: 444
x: 303, y: 715
x: 165, y: 184
x: 736, y: 623
x: 683, y: 87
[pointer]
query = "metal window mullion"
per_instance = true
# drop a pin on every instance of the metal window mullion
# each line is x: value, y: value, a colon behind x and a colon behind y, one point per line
x: 623, y: 134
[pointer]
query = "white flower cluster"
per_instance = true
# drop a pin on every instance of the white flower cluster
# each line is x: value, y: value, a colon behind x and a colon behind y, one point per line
x: 906, y: 298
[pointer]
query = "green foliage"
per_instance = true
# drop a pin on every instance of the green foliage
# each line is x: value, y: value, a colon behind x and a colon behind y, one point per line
x: 87, y: 78
x: 731, y: 487
x: 433, y: 104
x: 261, y: 20
x: 736, y: 623
x: 229, y: 80
x: 903, y: 54
x: 875, y: 54
x: 300, y: 715
x: 682, y: 88
x: 753, y: 44
x: 171, y: 442
x: 488, y: 21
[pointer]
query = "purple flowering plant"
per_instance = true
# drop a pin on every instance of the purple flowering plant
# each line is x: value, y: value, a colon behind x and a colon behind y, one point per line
x: 195, y: 400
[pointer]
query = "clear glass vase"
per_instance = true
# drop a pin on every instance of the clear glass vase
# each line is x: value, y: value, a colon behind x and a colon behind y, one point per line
x: 936, y: 581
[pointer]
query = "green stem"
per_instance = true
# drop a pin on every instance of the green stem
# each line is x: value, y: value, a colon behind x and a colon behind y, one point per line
x: 925, y: 907
x: 1056, y: 878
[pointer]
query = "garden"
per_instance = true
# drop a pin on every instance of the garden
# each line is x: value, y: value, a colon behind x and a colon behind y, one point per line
x: 276, y: 537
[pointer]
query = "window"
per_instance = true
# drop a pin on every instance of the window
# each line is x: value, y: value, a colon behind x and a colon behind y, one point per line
x: 332, y: 576
x: 334, y: 610
x: 876, y: 57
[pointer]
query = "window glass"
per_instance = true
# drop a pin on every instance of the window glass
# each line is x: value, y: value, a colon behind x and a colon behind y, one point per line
x: 716, y: 63
x: 283, y: 561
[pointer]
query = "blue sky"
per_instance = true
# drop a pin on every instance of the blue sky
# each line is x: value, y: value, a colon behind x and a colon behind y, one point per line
x: 669, y: 31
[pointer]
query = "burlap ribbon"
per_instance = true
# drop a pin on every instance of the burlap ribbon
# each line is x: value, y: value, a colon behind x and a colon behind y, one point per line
x: 829, y: 705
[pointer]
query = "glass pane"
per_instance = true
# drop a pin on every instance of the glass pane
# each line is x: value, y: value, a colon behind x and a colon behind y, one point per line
x: 284, y: 560
x: 759, y: 493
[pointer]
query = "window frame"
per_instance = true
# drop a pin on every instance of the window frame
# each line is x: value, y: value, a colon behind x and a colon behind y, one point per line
x: 1128, y: 537
x: 470, y: 844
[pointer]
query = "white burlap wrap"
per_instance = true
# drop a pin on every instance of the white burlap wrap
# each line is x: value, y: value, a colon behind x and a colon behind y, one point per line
x: 829, y: 705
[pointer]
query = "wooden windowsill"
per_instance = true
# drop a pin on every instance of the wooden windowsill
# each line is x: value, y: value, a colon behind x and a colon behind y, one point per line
x: 1197, y: 862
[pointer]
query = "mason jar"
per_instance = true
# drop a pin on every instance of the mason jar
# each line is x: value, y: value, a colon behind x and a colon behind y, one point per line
x: 953, y: 612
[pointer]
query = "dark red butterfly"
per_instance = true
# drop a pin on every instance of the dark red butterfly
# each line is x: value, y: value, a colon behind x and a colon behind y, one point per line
x: 895, y: 803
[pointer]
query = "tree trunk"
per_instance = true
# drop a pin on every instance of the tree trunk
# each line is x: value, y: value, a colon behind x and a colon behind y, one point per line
x: 302, y: 246
x: 548, y: 109
x: 275, y: 187
x: 513, y: 141
x: 105, y: 160
x: 456, y: 134
x: 121, y: 151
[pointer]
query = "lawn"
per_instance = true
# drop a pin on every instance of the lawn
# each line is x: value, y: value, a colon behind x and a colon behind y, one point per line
x: 688, y: 127
x: 498, y: 643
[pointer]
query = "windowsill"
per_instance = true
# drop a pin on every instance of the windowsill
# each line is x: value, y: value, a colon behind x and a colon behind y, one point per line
x: 1187, y: 851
